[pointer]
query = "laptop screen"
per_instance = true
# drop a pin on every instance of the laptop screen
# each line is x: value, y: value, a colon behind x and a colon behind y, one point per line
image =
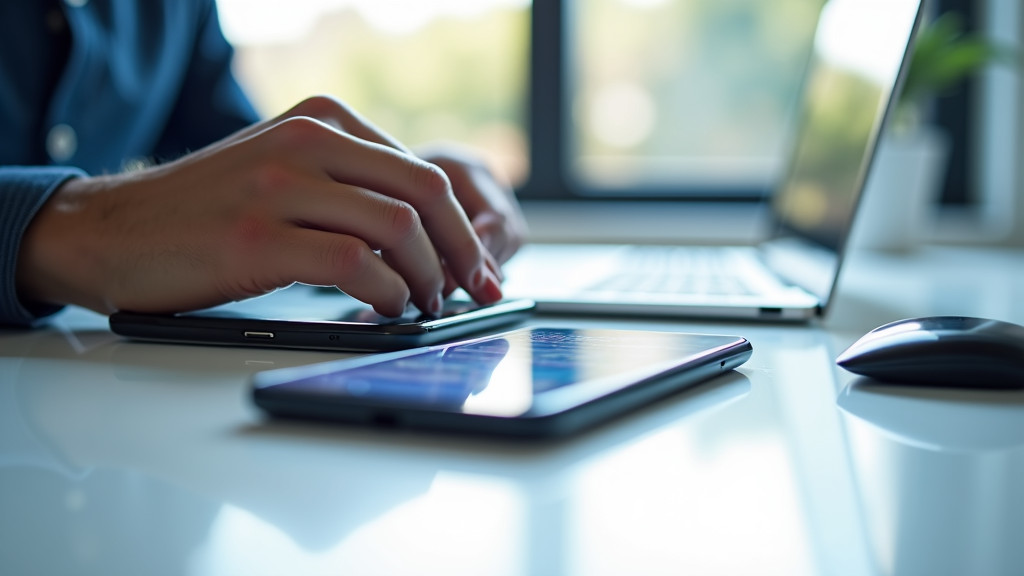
x: 860, y: 49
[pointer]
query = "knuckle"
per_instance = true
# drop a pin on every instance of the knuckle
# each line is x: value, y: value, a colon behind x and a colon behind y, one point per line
x: 326, y: 109
x: 403, y: 221
x: 430, y: 181
x: 320, y: 105
x: 298, y: 132
x: 347, y: 257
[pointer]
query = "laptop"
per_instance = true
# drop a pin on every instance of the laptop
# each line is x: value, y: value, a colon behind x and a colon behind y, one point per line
x: 860, y: 54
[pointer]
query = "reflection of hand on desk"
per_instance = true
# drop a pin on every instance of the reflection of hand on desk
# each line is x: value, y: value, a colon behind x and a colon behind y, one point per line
x: 122, y: 415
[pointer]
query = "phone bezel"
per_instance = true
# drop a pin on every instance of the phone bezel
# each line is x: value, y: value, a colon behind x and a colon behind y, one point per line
x: 196, y: 328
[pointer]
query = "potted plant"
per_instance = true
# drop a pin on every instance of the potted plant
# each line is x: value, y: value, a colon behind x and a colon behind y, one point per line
x: 911, y: 162
x: 944, y: 55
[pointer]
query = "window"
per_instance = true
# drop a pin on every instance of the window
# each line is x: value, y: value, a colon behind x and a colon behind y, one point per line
x: 567, y: 98
x: 648, y: 98
x: 683, y: 96
x: 423, y: 71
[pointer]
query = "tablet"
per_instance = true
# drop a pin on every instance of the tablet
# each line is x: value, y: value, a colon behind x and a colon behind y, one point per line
x: 312, y: 317
x: 536, y: 382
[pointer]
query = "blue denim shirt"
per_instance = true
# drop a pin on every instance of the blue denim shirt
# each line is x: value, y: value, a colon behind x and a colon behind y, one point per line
x: 89, y: 85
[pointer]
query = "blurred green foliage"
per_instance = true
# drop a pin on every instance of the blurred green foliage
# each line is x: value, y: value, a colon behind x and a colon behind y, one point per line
x: 457, y: 79
x: 944, y: 55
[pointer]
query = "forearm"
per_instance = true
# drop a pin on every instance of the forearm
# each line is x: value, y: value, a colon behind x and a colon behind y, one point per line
x: 23, y: 191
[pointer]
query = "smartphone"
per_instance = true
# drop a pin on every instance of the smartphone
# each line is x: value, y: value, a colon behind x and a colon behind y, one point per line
x: 312, y: 317
x: 535, y: 382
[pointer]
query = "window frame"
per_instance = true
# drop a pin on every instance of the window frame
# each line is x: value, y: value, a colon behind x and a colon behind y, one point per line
x: 952, y: 113
x: 548, y: 128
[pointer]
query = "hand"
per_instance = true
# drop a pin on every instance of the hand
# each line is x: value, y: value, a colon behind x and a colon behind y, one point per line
x: 305, y: 197
x: 490, y: 205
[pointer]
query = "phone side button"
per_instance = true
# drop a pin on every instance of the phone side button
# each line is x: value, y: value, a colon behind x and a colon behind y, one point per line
x: 259, y: 335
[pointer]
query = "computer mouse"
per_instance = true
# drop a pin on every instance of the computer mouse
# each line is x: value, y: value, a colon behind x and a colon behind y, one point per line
x: 952, y: 351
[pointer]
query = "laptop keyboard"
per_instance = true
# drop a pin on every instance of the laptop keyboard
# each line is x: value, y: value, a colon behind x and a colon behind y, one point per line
x: 677, y: 270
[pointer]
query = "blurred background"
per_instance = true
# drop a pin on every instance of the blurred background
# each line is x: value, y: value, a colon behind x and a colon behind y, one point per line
x: 692, y: 91
x: 421, y: 70
x: 623, y: 99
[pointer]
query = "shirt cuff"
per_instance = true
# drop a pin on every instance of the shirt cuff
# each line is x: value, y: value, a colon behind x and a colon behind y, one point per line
x: 23, y: 191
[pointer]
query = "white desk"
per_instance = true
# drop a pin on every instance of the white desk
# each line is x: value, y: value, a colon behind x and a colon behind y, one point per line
x: 149, y: 459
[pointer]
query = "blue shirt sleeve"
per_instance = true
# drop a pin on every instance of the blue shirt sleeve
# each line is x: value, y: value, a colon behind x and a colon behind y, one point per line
x: 211, y: 104
x: 147, y: 81
x: 23, y: 190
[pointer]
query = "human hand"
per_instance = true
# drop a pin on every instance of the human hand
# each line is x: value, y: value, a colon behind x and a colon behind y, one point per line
x: 305, y: 197
x: 488, y: 202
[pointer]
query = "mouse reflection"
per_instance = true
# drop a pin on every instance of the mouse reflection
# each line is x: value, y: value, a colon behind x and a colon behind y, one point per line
x: 938, y: 473
x: 939, y: 419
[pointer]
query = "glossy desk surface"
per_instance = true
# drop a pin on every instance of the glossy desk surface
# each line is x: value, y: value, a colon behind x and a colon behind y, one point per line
x: 120, y: 457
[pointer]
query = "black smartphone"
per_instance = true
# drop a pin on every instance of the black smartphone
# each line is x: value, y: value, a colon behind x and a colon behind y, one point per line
x: 318, y: 318
x: 535, y: 382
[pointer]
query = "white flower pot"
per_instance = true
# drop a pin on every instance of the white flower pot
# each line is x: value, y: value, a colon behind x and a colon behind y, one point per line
x: 903, y: 185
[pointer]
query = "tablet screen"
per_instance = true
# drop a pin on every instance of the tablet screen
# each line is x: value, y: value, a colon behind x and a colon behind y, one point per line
x: 528, y: 372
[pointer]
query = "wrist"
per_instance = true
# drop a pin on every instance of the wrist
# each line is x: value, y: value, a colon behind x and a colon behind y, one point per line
x: 57, y: 261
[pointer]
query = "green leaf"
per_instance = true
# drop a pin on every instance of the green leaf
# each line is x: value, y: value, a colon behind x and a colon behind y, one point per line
x: 944, y: 55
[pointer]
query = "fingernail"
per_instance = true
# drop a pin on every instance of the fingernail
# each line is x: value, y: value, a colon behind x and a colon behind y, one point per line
x: 437, y: 305
x: 491, y: 288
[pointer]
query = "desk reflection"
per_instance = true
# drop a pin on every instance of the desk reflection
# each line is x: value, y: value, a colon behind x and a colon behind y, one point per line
x: 158, y: 444
x: 144, y: 445
x: 939, y: 474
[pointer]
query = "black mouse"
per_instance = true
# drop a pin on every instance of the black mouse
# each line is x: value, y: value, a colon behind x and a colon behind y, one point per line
x: 941, y: 351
